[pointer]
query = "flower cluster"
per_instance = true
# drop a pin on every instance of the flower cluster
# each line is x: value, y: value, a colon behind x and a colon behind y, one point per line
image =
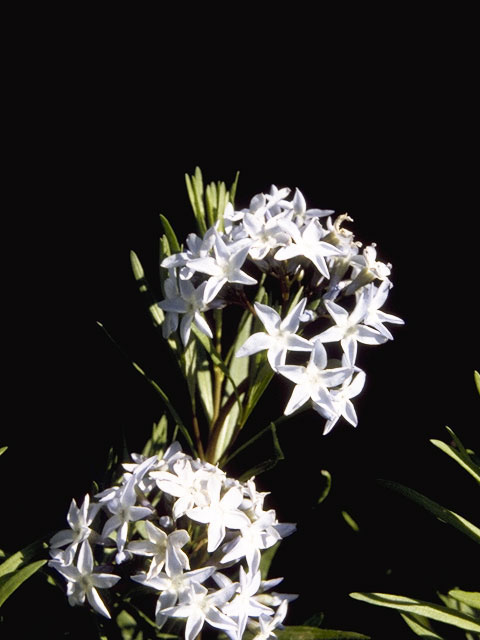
x: 306, y: 282
x: 185, y: 530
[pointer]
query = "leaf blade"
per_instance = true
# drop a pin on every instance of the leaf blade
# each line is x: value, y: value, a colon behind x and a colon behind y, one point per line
x: 420, y: 607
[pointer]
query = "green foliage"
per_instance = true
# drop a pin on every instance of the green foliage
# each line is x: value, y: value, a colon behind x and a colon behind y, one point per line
x: 421, y: 608
x: 461, y: 609
x: 17, y: 568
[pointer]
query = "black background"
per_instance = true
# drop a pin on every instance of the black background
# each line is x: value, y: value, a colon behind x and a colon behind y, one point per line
x: 98, y: 147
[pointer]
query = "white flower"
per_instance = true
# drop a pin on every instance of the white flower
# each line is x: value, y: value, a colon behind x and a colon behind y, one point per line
x: 307, y: 243
x: 348, y: 328
x: 189, y: 301
x: 368, y: 268
x: 225, y: 267
x: 376, y: 297
x: 198, y: 606
x: 123, y: 510
x: 313, y: 382
x: 342, y: 401
x: 79, y: 520
x: 221, y: 513
x: 196, y: 248
x: 164, y: 549
x: 302, y: 214
x: 280, y: 336
x: 268, y: 623
x: 245, y: 603
x: 265, y: 235
x: 172, y: 587
x: 82, y: 581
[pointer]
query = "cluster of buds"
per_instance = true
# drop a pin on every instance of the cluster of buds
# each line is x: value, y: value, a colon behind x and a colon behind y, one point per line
x: 306, y: 284
x: 182, y: 528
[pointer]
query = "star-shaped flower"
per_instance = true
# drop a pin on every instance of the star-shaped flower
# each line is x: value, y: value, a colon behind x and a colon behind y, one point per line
x: 313, y: 382
x: 349, y: 328
x: 83, y: 581
x: 307, y: 243
x: 280, y: 336
x: 164, y: 549
x: 224, y: 267
x: 190, y: 302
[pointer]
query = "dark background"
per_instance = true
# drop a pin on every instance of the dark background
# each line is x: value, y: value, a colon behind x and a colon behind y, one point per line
x: 100, y: 145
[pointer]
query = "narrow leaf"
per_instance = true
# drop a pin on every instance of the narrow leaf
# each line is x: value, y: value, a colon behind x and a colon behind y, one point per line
x: 18, y: 578
x: 268, y: 464
x: 20, y: 558
x: 170, y: 233
x: 168, y: 404
x: 233, y: 188
x: 460, y: 455
x: 2, y: 450
x: 419, y: 628
x: 262, y: 380
x: 266, y: 559
x: 443, y: 514
x: 471, y: 598
x: 419, y: 607
x: 476, y: 376
x: 315, y: 633
x: 326, y: 490
x: 350, y: 521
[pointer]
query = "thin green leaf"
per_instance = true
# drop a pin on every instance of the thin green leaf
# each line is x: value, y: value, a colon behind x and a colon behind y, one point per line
x: 443, y: 514
x: 315, y: 633
x: 266, y: 559
x: 262, y: 379
x: 326, y: 489
x: 419, y: 607
x: 216, y: 359
x: 471, y: 598
x: 233, y: 189
x: 16, y: 560
x: 350, y: 521
x: 476, y: 377
x: 2, y: 450
x: 204, y: 383
x: 168, y: 404
x: 158, y: 439
x: 419, y: 628
x: 197, y: 207
x: 268, y: 464
x: 17, y: 578
x: 211, y: 202
x: 459, y: 454
x: 170, y: 233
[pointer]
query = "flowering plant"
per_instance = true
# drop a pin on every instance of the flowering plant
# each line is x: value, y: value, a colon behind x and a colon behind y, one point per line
x: 173, y: 545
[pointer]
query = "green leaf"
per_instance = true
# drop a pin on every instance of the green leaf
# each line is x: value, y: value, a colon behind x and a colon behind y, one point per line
x: 2, y: 450
x: 268, y: 464
x: 460, y: 455
x: 476, y: 377
x: 170, y: 233
x: 17, y: 578
x: 266, y: 559
x: 233, y: 188
x: 261, y: 381
x: 315, y: 633
x: 443, y: 514
x: 16, y: 560
x: 419, y: 607
x: 204, y: 382
x: 420, y: 626
x: 471, y: 598
x: 195, y: 194
x: 158, y: 439
x: 350, y: 521
x: 326, y: 490
x: 169, y: 406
